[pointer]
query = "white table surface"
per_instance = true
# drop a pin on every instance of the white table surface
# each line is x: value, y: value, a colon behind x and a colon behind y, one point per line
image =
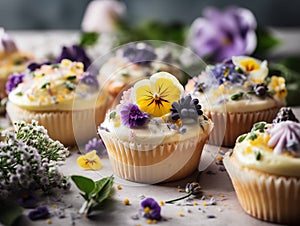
x: 227, y: 210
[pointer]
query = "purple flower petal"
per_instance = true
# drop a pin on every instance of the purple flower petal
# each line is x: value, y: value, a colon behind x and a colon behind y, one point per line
x: 39, y: 213
x: 96, y: 144
x: 132, y: 116
x: 223, y: 34
x: 74, y: 53
x: 89, y: 79
x: 13, y: 81
x: 139, y: 53
x: 153, y: 207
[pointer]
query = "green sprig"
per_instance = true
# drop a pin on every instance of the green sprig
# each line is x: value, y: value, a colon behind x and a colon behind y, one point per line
x: 94, y: 192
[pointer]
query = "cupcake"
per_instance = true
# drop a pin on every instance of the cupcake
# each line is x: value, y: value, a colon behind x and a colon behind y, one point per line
x: 11, y: 60
x: 156, y: 134
x: 133, y: 62
x: 61, y: 97
x: 265, y: 169
x: 236, y: 94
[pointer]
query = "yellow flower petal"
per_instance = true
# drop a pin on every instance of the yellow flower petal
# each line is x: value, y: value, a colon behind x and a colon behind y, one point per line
x: 257, y: 70
x: 156, y: 95
x: 89, y: 161
x: 277, y: 84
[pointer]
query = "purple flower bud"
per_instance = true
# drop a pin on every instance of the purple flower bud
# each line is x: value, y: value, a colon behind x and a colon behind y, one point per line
x: 39, y: 213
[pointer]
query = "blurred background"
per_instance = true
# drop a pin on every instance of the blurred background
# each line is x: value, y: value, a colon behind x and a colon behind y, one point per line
x: 67, y: 14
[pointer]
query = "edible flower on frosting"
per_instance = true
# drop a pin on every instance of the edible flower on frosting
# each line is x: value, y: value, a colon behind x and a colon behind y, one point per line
x: 156, y: 94
x: 257, y: 70
x: 278, y: 85
x: 89, y: 161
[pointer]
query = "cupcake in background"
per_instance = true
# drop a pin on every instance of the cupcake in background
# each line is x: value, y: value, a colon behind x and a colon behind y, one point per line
x: 237, y: 93
x: 156, y: 134
x: 133, y: 62
x: 265, y: 169
x: 12, y: 60
x: 62, y: 97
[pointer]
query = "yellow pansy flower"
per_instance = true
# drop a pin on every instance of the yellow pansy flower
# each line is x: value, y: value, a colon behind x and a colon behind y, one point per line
x: 256, y: 69
x: 277, y: 84
x: 156, y: 94
x: 89, y: 161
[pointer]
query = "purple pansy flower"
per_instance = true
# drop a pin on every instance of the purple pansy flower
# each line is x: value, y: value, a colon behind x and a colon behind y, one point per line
x: 139, y: 53
x: 89, y: 79
x: 227, y: 72
x: 13, y: 81
x: 150, y: 209
x: 74, y: 53
x: 96, y: 144
x: 132, y: 116
x: 39, y: 213
x: 223, y: 34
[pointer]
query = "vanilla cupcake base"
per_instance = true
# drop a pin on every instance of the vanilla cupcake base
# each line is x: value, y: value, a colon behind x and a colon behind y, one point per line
x: 230, y: 125
x: 69, y: 127
x: 265, y: 196
x: 150, y: 163
x: 3, y: 87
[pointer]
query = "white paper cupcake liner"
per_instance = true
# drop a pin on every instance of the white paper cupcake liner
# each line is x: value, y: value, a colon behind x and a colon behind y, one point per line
x: 229, y: 125
x: 150, y: 163
x: 265, y: 196
x: 69, y: 127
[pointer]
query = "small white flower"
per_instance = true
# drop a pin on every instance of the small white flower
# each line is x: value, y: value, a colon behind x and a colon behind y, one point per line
x: 256, y: 69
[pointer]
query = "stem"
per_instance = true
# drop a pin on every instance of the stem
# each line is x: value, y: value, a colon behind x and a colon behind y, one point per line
x: 83, y: 208
x: 183, y: 197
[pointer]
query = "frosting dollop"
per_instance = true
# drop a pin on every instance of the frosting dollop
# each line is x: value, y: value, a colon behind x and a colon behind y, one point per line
x: 285, y: 137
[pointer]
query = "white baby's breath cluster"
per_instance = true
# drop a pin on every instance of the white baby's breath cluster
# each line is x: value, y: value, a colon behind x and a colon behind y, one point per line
x: 29, y: 160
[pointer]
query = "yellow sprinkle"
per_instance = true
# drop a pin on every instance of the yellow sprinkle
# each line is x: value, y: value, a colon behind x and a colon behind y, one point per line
x: 126, y: 202
x: 225, y: 204
x: 205, y: 204
x: 222, y: 195
x: 219, y: 158
x: 209, y: 195
x: 119, y: 187
x: 226, y: 83
x: 154, y: 221
x: 246, y: 84
x: 66, y: 62
x: 49, y: 221
x: 149, y: 221
x: 195, y: 203
x: 161, y: 203
x: 54, y: 206
x: 181, y: 214
x: 180, y: 190
x: 138, y: 225
x: 221, y: 88
x: 248, y: 150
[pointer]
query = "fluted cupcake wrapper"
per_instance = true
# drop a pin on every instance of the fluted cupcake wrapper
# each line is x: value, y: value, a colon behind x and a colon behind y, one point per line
x: 151, y: 163
x: 229, y: 125
x: 69, y: 127
x: 265, y: 196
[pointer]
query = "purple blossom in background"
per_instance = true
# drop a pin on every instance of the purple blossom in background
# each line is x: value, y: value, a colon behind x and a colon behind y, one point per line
x: 139, y: 53
x: 132, y: 116
x: 13, y: 82
x: 89, y: 79
x: 39, y: 213
x: 8, y: 43
x: 96, y: 144
x: 150, y: 209
x: 74, y: 53
x: 223, y: 34
x: 27, y: 200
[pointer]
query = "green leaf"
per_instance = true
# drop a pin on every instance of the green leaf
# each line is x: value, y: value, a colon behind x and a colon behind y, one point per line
x: 106, y: 187
x: 84, y: 184
x: 259, y: 126
x: 252, y: 136
x: 257, y: 155
x: 237, y: 96
x: 88, y: 39
x: 9, y: 213
x: 112, y: 115
x: 69, y: 85
x: 45, y: 85
x: 241, y: 138
x: 265, y: 41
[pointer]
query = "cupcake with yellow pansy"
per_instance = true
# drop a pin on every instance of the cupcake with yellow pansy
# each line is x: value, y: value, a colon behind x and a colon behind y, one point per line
x: 265, y: 169
x: 236, y: 94
x: 156, y: 133
x: 12, y: 60
x: 62, y: 97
